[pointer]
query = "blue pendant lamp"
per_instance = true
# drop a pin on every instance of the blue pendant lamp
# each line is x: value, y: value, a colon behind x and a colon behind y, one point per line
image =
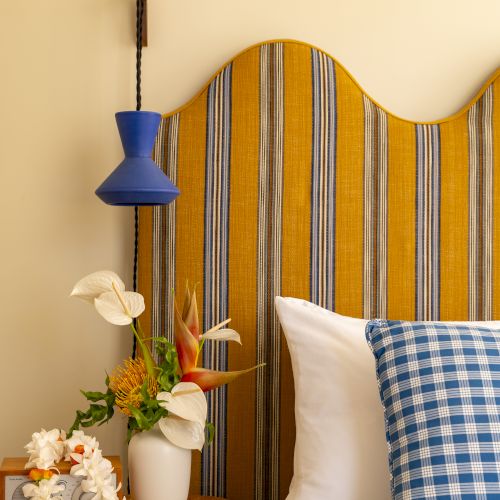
x: 137, y: 180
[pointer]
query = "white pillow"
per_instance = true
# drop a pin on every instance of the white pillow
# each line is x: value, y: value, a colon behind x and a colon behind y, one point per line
x: 340, y: 447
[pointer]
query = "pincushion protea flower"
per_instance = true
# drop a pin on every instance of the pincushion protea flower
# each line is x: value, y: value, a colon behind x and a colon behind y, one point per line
x: 126, y: 382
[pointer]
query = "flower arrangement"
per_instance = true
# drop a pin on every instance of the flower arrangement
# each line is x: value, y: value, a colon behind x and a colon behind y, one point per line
x: 47, y: 449
x: 169, y: 393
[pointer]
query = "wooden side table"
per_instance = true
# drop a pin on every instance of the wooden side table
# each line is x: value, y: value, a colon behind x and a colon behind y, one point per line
x: 195, y: 497
x: 199, y: 497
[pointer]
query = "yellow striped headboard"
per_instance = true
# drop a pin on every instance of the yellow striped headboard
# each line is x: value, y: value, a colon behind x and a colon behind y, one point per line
x: 295, y: 182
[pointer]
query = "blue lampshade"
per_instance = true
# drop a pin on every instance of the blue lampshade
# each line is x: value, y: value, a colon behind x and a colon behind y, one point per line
x: 137, y: 180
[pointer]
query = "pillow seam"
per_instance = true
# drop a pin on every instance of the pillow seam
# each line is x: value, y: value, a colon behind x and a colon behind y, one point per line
x: 380, y: 323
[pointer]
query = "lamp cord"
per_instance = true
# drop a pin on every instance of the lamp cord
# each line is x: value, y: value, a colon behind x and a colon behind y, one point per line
x: 138, y: 53
x: 138, y: 97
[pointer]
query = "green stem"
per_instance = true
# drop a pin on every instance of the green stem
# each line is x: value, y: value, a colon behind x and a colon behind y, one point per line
x: 154, y: 339
x: 151, y: 367
x: 200, y: 347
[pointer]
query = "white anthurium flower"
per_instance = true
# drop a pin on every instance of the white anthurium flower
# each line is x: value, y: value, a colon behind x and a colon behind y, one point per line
x: 120, y: 308
x: 219, y: 333
x: 107, y: 291
x: 183, y: 433
x: 185, y: 424
x: 45, y: 449
x: 46, y: 489
x: 222, y: 334
x: 95, y: 284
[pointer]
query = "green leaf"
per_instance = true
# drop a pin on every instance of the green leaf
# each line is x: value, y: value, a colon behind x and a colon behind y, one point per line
x: 96, y: 413
x: 210, y: 429
x: 140, y: 418
x: 144, y: 391
x: 131, y: 428
x: 93, y: 395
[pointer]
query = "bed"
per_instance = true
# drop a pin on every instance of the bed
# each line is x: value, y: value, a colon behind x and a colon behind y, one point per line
x: 295, y: 182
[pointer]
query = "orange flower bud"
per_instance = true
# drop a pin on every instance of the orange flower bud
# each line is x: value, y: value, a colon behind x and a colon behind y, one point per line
x: 80, y: 449
x: 39, y: 474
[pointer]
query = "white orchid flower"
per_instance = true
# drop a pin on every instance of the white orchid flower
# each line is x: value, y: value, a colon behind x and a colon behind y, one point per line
x: 185, y: 424
x: 220, y: 334
x: 45, y: 449
x: 107, y: 291
x: 96, y: 471
x: 46, y: 489
x: 79, y: 444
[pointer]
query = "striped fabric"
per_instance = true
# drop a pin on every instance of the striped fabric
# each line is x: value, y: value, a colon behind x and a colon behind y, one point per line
x: 428, y: 222
x: 323, y: 181
x: 269, y: 229
x: 375, y: 213
x: 295, y: 182
x: 215, y: 280
x: 481, y: 206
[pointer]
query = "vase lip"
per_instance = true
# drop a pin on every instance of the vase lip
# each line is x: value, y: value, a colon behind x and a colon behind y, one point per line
x: 133, y: 112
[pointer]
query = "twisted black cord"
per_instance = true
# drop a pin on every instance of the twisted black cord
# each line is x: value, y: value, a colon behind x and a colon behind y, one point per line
x: 138, y: 53
x: 140, y: 14
x: 138, y: 58
x: 136, y: 259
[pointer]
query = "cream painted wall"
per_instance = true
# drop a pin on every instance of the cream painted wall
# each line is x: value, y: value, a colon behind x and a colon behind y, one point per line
x: 67, y: 65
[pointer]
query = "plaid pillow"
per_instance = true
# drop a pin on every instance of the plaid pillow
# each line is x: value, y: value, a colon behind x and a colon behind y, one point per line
x: 440, y: 388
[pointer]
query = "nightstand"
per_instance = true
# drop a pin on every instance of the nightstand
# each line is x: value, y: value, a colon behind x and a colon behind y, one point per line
x: 195, y: 497
x: 199, y: 497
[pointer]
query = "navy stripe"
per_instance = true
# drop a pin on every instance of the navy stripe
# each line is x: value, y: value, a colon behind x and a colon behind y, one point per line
x: 216, y: 255
x: 428, y: 235
x: 323, y: 185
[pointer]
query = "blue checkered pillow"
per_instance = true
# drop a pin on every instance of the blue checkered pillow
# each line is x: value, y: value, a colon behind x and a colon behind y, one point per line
x: 440, y: 387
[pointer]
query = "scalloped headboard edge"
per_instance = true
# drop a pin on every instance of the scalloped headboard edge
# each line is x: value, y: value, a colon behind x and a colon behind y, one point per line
x: 295, y: 182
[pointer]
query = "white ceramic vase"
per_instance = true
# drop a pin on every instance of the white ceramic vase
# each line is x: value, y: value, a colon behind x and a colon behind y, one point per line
x: 158, y: 469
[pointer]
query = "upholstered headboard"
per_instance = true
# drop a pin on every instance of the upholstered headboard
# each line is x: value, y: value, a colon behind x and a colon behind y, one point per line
x: 295, y: 182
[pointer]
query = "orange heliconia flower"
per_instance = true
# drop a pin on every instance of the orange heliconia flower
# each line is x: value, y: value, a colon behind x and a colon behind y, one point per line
x: 188, y: 343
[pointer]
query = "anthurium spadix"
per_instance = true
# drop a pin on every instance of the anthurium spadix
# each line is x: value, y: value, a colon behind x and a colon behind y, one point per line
x: 185, y: 424
x: 189, y: 343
